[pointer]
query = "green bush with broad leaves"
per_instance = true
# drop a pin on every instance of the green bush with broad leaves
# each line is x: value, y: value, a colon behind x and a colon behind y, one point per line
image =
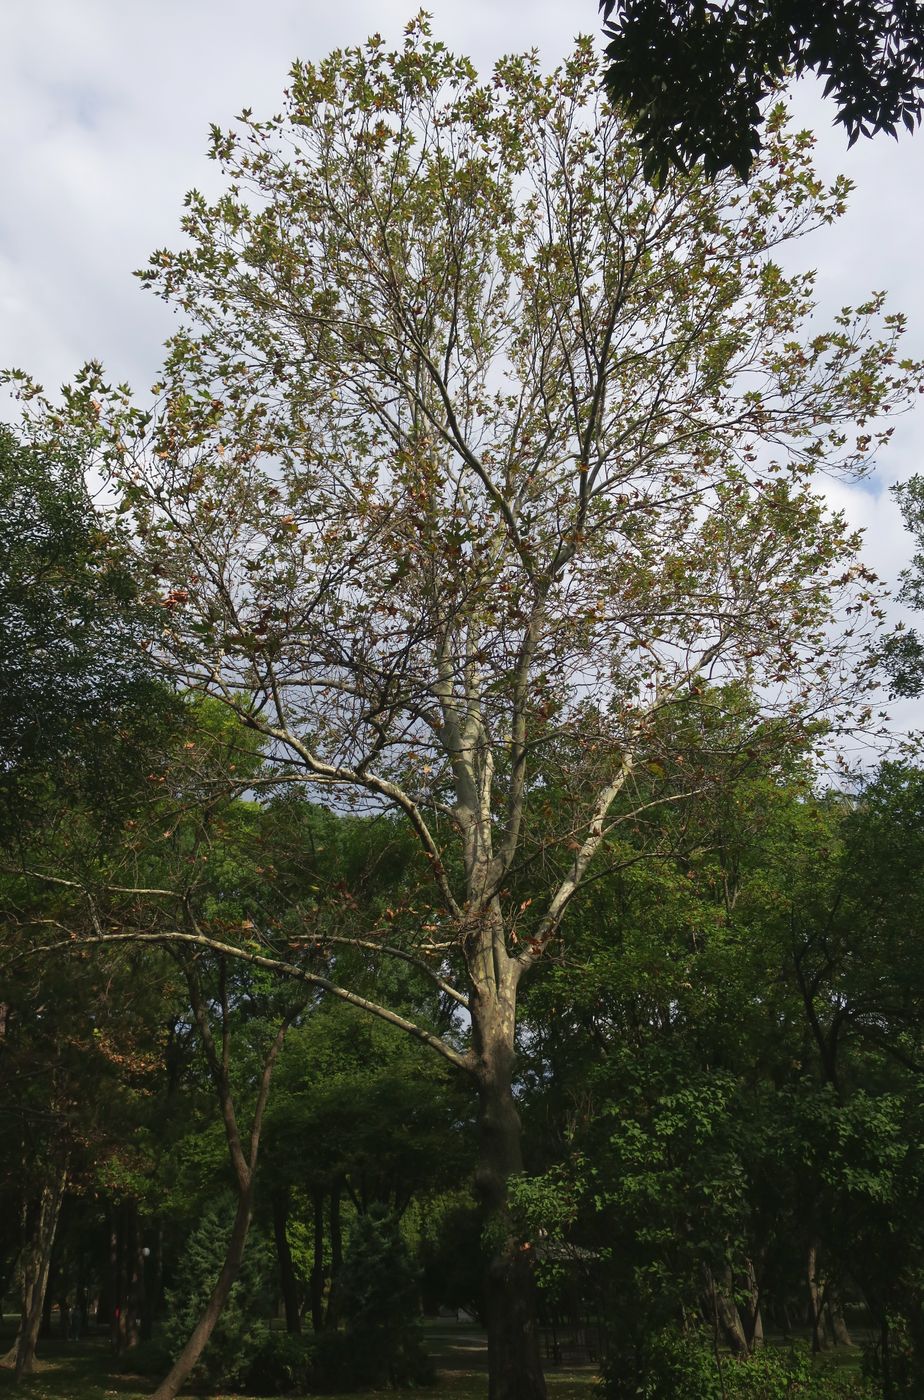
x: 672, y: 1364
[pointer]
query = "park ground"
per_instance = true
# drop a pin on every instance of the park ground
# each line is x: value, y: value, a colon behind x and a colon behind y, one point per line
x: 86, y: 1370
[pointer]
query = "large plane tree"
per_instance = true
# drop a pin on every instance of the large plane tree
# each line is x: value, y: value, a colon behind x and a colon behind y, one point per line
x: 474, y: 463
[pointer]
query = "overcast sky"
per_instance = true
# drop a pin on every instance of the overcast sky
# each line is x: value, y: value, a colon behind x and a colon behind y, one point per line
x: 104, y: 113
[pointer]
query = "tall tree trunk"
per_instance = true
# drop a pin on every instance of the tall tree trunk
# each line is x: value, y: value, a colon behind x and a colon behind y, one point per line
x: 287, y: 1281
x: 48, y: 1301
x: 155, y: 1288
x: 317, y: 1267
x: 172, y: 1383
x: 754, y: 1323
x: 840, y: 1332
x: 514, y: 1361
x: 133, y: 1263
x: 243, y: 1163
x: 116, y: 1295
x: 816, y: 1294
x: 40, y: 1225
x: 722, y: 1307
x: 336, y: 1254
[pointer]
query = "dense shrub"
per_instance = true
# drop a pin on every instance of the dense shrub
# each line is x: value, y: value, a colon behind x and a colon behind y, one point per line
x: 662, y: 1366
x: 241, y: 1330
x: 379, y: 1299
x: 283, y: 1364
x: 673, y: 1364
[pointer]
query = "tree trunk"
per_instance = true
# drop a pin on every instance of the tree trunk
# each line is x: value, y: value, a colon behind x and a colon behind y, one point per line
x: 754, y: 1323
x: 514, y: 1362
x: 48, y: 1301
x: 156, y: 1278
x: 816, y: 1292
x: 172, y: 1383
x: 41, y: 1223
x: 116, y: 1298
x: 336, y: 1254
x: 722, y: 1306
x: 244, y: 1166
x: 840, y: 1332
x: 287, y: 1281
x: 135, y: 1303
x: 317, y: 1268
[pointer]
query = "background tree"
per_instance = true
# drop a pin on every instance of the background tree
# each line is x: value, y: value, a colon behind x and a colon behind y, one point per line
x: 731, y: 1079
x: 693, y: 76
x: 80, y: 697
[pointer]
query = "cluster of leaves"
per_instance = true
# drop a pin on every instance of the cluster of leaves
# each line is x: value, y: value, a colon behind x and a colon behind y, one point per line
x: 694, y: 76
x: 673, y: 1363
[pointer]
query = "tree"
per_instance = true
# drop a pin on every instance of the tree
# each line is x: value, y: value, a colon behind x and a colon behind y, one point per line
x: 477, y: 460
x: 693, y: 76
x: 78, y: 685
x: 732, y: 1076
x: 380, y: 1287
x: 239, y: 1329
x: 77, y: 1057
x: 902, y: 650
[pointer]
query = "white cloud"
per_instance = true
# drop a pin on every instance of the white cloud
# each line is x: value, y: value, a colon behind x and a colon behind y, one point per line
x: 104, y: 117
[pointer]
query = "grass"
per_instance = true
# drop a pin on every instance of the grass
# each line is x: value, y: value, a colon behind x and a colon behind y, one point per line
x: 86, y: 1371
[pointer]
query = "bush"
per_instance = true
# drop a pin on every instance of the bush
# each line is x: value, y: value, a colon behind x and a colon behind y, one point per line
x: 283, y: 1364
x: 672, y: 1364
x: 662, y: 1366
x: 340, y: 1364
x: 151, y: 1358
x: 379, y: 1287
x: 241, y: 1330
x: 776, y: 1374
x: 903, y: 1363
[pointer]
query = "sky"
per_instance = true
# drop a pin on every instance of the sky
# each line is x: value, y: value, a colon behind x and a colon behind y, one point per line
x: 105, y: 107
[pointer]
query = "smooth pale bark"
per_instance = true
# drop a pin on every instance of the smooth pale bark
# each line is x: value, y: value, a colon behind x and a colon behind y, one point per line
x: 287, y: 1281
x: 754, y: 1323
x: 40, y: 1224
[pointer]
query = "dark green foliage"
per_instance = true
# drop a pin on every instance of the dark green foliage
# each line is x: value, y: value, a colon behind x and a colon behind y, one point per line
x: 379, y: 1295
x: 80, y: 698
x: 693, y: 75
x: 283, y: 1365
x: 453, y: 1256
x: 673, y: 1364
x: 661, y: 1366
x: 741, y: 1076
x: 229, y: 1357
